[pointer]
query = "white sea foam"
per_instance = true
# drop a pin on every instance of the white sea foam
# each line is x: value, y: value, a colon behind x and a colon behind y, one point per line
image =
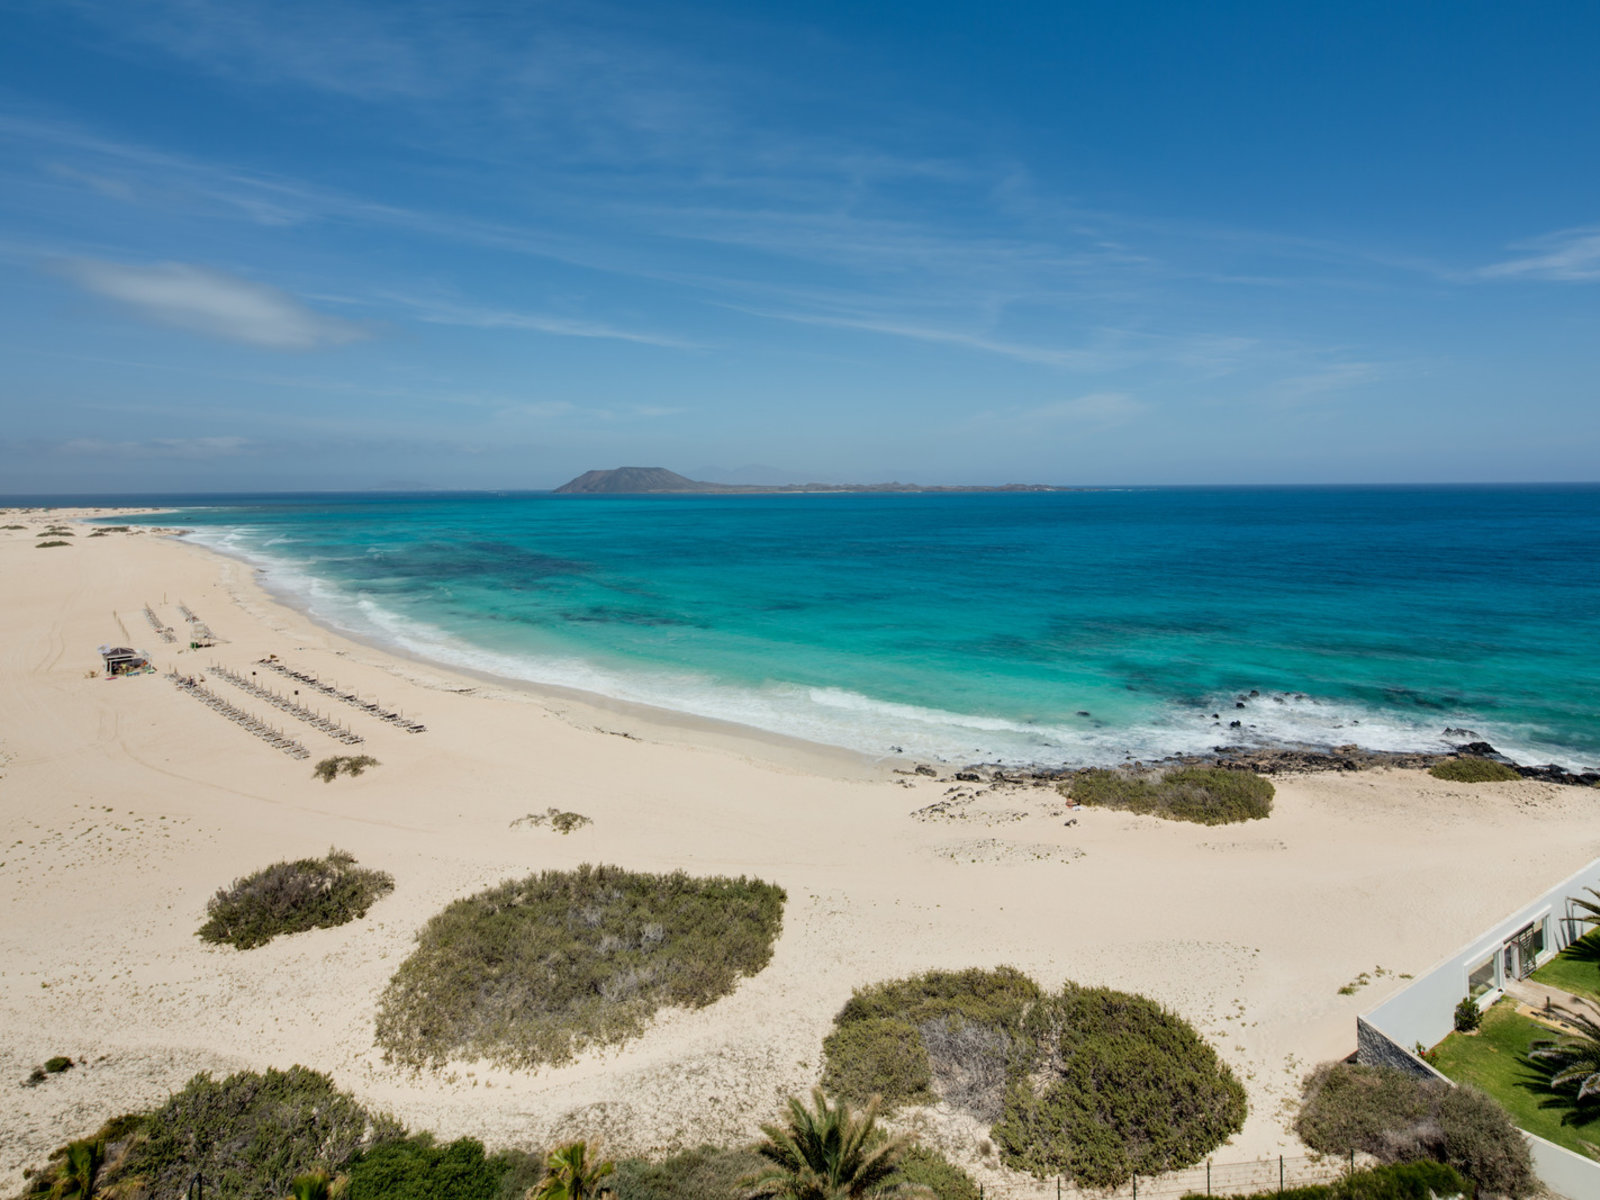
x: 841, y: 717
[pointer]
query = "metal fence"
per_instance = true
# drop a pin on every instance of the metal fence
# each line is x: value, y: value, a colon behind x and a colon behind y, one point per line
x: 1267, y: 1175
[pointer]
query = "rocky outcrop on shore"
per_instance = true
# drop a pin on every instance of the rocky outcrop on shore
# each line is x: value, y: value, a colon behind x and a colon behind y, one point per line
x: 1286, y: 761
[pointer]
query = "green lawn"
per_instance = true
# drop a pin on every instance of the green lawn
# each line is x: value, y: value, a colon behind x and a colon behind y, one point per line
x: 1576, y: 969
x: 1495, y: 1060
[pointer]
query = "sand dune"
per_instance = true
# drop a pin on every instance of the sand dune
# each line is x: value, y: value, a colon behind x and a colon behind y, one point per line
x: 124, y: 804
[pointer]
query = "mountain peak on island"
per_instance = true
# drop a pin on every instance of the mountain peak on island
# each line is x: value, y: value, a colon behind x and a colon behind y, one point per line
x: 635, y: 481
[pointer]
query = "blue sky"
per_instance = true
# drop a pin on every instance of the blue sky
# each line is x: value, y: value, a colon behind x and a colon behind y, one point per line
x: 300, y: 246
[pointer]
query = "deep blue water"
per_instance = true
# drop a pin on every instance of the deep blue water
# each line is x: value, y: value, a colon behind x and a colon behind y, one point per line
x: 984, y: 626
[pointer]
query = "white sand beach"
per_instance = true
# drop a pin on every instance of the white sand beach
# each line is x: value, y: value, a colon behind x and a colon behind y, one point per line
x: 124, y: 804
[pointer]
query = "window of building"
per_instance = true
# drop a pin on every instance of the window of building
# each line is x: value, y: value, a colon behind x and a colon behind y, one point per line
x: 1481, y: 978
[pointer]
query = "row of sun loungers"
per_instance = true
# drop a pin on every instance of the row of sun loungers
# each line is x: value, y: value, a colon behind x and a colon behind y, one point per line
x: 239, y: 717
x: 293, y: 708
x: 199, y: 632
x: 155, y: 623
x: 328, y: 689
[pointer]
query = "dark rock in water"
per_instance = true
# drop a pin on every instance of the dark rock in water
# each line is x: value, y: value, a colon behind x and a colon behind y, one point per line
x: 1478, y: 750
x: 1083, y: 712
x: 1459, y: 733
x: 1253, y: 692
x: 1233, y: 724
x: 1239, y: 704
x: 1551, y: 773
x: 925, y: 769
x: 968, y: 777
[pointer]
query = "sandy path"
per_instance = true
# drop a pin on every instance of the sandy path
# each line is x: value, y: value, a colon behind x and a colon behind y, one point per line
x: 124, y: 804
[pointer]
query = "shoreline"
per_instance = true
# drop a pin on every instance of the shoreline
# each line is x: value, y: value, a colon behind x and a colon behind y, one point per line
x: 583, y: 709
x: 124, y: 805
x: 1270, y: 760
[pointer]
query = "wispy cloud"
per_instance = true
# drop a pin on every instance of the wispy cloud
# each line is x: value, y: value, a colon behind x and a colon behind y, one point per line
x: 545, y: 323
x: 1101, y: 409
x: 1571, y: 255
x: 184, y: 448
x: 1087, y: 414
x: 1075, y: 359
x: 1328, y: 378
x: 212, y: 304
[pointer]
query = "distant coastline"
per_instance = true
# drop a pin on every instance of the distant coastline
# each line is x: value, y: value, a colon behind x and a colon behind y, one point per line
x: 640, y: 481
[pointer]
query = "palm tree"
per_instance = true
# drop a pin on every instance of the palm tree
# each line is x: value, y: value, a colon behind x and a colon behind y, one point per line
x: 313, y: 1185
x: 569, y: 1175
x: 1575, y: 1058
x: 830, y: 1153
x: 80, y: 1174
x: 1588, y: 906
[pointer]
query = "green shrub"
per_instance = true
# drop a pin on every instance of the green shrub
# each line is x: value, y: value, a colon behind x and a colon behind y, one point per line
x: 882, y: 1056
x: 928, y: 1168
x: 1468, y: 1015
x: 251, y: 1134
x: 48, y: 545
x: 1093, y: 1084
x: 1399, y: 1117
x: 290, y: 897
x: 704, y: 1174
x: 117, y: 1139
x: 58, y: 1064
x: 1481, y: 1142
x: 1204, y: 795
x: 944, y: 1034
x: 1114, y: 1085
x: 535, y: 970
x: 1404, y: 1181
x: 1473, y: 770
x: 418, y: 1168
x: 330, y: 768
x: 561, y: 822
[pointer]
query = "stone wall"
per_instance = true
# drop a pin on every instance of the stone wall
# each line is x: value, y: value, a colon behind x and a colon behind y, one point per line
x: 1374, y: 1048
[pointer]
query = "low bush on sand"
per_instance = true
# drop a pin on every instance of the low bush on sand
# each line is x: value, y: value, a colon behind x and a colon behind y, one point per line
x: 537, y: 969
x: 708, y: 1173
x: 48, y: 545
x: 1405, y: 1181
x: 290, y: 897
x: 330, y: 769
x: 1399, y: 1117
x: 1204, y: 795
x: 249, y: 1135
x: 940, y: 1035
x: 562, y: 822
x: 252, y: 1135
x: 922, y: 1166
x: 1092, y: 1084
x: 1111, y: 1085
x: 1473, y: 770
x: 421, y: 1168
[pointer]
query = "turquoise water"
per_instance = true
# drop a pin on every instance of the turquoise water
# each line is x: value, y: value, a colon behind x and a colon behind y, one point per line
x: 1064, y: 627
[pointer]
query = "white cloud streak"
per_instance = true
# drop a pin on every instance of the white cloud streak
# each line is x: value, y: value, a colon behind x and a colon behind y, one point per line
x: 553, y: 325
x: 211, y: 303
x: 182, y: 448
x: 1571, y: 255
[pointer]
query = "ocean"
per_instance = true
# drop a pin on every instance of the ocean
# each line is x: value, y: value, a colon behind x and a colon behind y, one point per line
x: 1057, y: 628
